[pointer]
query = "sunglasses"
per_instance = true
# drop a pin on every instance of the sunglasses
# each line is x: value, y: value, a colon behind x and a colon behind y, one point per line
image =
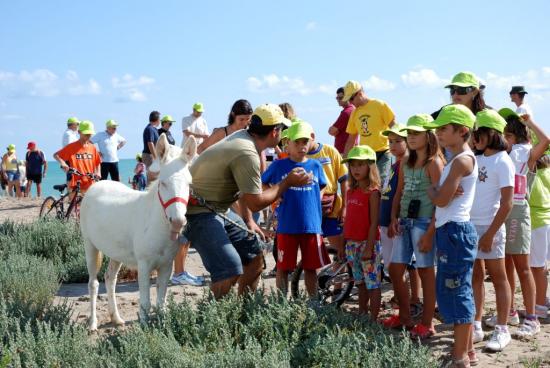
x: 339, y: 98
x: 461, y: 91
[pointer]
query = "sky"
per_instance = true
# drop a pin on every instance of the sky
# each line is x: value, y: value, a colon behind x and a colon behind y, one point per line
x: 102, y: 60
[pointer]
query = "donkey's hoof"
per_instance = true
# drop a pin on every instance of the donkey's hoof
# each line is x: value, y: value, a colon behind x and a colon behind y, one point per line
x: 92, y: 327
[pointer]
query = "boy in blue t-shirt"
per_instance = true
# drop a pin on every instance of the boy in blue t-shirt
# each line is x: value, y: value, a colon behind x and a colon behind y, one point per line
x: 299, y: 213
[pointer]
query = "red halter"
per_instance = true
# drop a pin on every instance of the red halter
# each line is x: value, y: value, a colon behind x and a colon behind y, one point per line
x: 171, y: 201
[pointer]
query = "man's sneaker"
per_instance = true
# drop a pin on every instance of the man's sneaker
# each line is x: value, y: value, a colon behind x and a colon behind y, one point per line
x: 184, y: 279
x: 541, y: 311
x: 478, y: 335
x: 513, y: 320
x: 198, y: 278
x: 528, y: 329
x: 499, y: 340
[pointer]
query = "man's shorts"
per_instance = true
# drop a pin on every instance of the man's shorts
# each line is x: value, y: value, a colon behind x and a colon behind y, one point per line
x: 35, y: 178
x: 456, y: 253
x: 12, y: 175
x: 224, y: 248
x: 411, y: 232
x: 367, y: 271
x: 540, y: 246
x: 499, y: 243
x: 331, y: 227
x: 312, y: 249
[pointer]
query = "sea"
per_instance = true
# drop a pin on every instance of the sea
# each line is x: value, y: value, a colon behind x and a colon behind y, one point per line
x: 56, y: 175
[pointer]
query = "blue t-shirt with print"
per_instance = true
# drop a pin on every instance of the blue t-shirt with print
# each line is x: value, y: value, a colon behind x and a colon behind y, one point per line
x: 300, y: 208
x: 389, y: 188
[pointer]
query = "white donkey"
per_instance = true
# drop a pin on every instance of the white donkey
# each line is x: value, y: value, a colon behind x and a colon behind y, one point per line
x: 139, y: 229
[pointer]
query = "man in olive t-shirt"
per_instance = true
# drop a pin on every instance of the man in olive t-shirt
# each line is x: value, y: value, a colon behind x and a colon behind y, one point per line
x: 223, y: 174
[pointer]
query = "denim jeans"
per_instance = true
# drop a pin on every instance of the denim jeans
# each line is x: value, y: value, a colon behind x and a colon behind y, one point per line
x: 411, y: 232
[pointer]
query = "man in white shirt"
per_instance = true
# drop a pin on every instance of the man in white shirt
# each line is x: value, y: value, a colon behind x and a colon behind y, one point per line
x: 71, y: 134
x: 517, y: 95
x: 108, y: 143
x: 195, y: 125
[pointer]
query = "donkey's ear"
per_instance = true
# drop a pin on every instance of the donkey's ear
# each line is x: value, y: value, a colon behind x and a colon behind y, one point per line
x: 189, y: 149
x: 162, y: 147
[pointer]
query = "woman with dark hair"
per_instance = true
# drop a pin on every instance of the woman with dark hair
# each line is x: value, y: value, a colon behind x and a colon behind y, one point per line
x: 466, y: 90
x: 239, y: 118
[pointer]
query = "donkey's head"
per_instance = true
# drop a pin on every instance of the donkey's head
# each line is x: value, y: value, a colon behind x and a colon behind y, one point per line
x: 174, y: 179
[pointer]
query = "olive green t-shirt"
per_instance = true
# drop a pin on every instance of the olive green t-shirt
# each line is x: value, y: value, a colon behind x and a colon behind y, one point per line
x: 225, y: 170
x: 539, y: 200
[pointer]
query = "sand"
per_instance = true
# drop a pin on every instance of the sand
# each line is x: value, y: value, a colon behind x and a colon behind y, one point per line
x: 517, y: 352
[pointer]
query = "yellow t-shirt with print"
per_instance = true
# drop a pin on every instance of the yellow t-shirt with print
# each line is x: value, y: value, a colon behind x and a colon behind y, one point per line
x: 369, y: 120
x: 335, y: 171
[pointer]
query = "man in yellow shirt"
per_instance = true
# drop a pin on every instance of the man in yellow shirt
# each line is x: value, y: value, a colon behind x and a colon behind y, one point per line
x: 369, y: 119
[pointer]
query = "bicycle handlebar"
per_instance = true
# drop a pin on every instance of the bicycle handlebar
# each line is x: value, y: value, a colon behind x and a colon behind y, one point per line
x: 78, y: 173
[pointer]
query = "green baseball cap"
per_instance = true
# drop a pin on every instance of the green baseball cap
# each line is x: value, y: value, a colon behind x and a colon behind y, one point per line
x: 453, y: 114
x: 73, y: 120
x: 111, y: 124
x: 464, y: 79
x: 198, y: 107
x: 11, y: 148
x: 167, y: 118
x: 507, y: 112
x: 284, y: 134
x: 490, y: 119
x: 138, y: 156
x: 397, y: 129
x: 86, y: 127
x: 418, y: 122
x: 300, y: 130
x: 361, y: 153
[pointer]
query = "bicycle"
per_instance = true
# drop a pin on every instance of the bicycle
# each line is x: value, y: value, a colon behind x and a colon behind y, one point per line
x: 55, y: 208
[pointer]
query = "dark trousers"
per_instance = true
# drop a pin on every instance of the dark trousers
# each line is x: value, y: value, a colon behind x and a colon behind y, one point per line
x: 110, y: 168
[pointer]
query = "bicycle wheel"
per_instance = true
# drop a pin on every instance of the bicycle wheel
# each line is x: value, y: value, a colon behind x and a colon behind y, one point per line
x: 336, y: 283
x: 49, y: 208
x: 73, y: 212
x: 295, y: 280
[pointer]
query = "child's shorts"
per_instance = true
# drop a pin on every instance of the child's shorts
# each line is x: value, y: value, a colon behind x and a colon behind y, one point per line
x: 411, y: 232
x: 312, y: 249
x: 368, y: 271
x: 518, y: 230
x: 540, y: 246
x: 499, y: 243
x: 456, y: 253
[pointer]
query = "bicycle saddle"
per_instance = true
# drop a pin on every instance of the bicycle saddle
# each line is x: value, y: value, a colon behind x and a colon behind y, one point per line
x: 60, y: 187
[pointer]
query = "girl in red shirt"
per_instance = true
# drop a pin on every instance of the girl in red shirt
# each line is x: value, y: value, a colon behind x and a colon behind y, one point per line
x: 361, y: 229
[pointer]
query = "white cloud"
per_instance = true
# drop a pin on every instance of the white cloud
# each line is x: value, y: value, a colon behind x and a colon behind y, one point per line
x: 285, y: 85
x: 77, y: 88
x: 532, y: 79
x: 311, y: 26
x: 132, y: 87
x: 375, y: 83
x: 422, y: 78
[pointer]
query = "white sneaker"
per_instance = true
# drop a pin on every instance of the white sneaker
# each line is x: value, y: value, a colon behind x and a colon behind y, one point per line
x: 541, y: 311
x: 479, y: 335
x: 185, y: 279
x: 529, y: 328
x: 499, y: 340
x: 513, y: 320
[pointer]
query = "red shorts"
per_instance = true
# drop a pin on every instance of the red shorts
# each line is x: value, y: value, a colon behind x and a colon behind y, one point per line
x: 312, y: 249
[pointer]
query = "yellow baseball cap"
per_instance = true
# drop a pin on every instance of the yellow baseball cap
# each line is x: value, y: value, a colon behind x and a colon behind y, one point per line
x: 351, y: 88
x: 453, y: 114
x: 490, y: 119
x: 73, y: 120
x: 86, y: 127
x: 269, y: 114
x: 168, y: 118
x: 300, y: 130
x: 111, y: 124
x: 361, y: 153
x: 198, y: 107
x: 464, y: 79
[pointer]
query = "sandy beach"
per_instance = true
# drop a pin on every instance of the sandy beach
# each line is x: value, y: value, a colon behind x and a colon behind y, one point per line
x: 26, y: 210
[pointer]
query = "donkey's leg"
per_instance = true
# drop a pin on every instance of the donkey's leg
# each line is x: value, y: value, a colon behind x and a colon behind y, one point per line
x: 110, y: 285
x: 144, y: 272
x: 93, y: 262
x: 164, y: 272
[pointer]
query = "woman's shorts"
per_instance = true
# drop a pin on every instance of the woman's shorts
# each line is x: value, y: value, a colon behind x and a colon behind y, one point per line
x: 367, y: 271
x: 518, y: 231
x: 540, y: 246
x: 12, y: 175
x: 411, y: 232
x: 499, y: 243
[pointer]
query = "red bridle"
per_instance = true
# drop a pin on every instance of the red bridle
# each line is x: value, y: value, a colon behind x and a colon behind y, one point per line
x: 171, y: 201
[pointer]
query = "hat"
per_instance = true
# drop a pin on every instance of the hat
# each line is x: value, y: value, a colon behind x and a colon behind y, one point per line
x: 11, y: 148
x: 284, y: 134
x: 73, y: 120
x: 395, y: 129
x: 361, y: 153
x: 300, y: 130
x: 453, y: 114
x: 351, y: 88
x: 138, y: 156
x: 86, y: 127
x: 507, y: 112
x: 490, y: 119
x: 198, y: 107
x: 418, y: 122
x: 167, y: 118
x: 270, y: 114
x: 111, y: 124
x: 518, y: 90
x: 31, y: 145
x: 464, y: 79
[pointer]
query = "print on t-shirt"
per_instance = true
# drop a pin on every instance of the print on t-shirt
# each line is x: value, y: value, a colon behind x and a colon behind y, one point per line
x: 482, y: 174
x: 364, y: 119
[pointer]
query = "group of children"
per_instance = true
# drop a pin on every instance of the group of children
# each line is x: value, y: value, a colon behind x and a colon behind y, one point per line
x: 466, y: 193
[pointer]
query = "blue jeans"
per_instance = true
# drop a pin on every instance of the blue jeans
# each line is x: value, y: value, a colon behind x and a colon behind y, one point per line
x: 224, y: 248
x: 411, y: 232
x: 456, y: 253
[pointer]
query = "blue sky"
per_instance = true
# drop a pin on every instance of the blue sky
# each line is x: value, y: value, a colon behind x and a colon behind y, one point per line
x: 119, y: 60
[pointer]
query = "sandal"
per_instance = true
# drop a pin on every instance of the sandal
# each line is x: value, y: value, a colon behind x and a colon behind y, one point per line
x: 422, y: 332
x: 474, y: 360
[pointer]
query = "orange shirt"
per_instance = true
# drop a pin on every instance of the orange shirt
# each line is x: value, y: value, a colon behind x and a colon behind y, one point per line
x: 83, y: 158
